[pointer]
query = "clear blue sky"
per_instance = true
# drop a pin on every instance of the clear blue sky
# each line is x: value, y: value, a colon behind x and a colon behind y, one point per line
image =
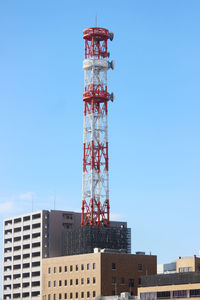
x: 154, y: 122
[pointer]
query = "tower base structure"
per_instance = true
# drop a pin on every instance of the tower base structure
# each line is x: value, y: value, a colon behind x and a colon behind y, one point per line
x: 84, y: 239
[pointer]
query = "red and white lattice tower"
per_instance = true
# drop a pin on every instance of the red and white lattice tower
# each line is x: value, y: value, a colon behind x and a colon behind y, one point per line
x: 95, y: 190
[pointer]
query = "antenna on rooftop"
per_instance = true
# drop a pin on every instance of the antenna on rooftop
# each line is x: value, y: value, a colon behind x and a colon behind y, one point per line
x: 54, y: 202
x: 32, y: 202
x: 96, y: 20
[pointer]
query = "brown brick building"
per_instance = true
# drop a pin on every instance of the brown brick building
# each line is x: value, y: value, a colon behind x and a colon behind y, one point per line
x: 87, y: 276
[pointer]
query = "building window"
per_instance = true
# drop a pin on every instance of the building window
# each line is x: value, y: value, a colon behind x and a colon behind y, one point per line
x: 71, y: 268
x: 180, y: 294
x: 113, y: 280
x: 82, y: 294
x: 17, y: 229
x: 34, y: 245
x: 49, y: 270
x: 82, y: 280
x: 65, y: 282
x: 27, y: 227
x: 113, y: 266
x: 60, y: 269
x: 76, y: 267
x: 36, y: 216
x: 54, y: 283
x: 18, y: 220
x: 9, y: 231
x: 88, y: 266
x: 94, y: 266
x: 139, y: 267
x: 35, y: 235
x: 27, y: 246
x: 194, y: 293
x: 27, y: 218
x: 37, y: 225
x: 94, y: 279
x: 35, y: 254
x: 76, y: 295
x: 71, y: 295
x: 65, y: 268
x: 36, y: 264
x: 94, y: 294
x: 54, y: 296
x: 60, y: 296
x: 26, y: 237
x: 9, y: 268
x: 8, y: 250
x: 54, y: 270
x: 49, y: 297
x: 60, y: 282
x: 88, y: 294
x: 16, y: 257
x: 9, y: 222
x: 186, y: 269
x: 113, y: 292
x: 35, y: 273
x: 71, y: 281
x: 65, y: 295
x: 16, y: 248
x: 161, y: 295
x: 131, y: 282
x: 76, y: 281
x: 122, y: 280
x: 49, y: 284
x: 67, y: 216
x: 16, y: 295
x: 36, y: 283
x: 88, y: 280
x: 82, y: 267
x: 9, y: 258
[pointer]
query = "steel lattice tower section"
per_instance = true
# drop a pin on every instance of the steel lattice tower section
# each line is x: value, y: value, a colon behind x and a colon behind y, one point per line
x: 95, y: 189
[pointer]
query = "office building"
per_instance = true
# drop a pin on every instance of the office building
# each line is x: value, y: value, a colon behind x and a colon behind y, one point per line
x: 87, y: 276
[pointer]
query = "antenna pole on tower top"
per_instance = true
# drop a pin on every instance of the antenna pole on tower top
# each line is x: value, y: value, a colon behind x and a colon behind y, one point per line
x: 95, y: 190
x: 96, y: 20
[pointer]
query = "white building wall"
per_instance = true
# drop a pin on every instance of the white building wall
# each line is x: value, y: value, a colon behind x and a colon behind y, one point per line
x: 22, y: 258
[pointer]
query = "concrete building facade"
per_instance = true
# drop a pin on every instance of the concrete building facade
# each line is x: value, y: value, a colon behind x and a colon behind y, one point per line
x: 90, y: 275
x: 25, y: 243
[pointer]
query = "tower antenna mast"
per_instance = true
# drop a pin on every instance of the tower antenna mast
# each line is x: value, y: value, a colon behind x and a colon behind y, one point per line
x: 95, y: 185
